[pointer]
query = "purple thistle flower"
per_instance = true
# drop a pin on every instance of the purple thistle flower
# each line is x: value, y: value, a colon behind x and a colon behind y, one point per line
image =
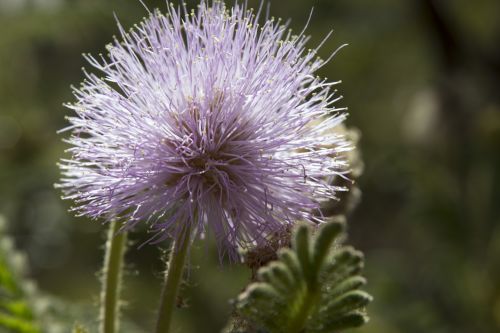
x: 205, y: 118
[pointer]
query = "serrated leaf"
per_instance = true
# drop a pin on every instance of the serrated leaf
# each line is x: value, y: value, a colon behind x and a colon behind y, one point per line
x: 312, y: 287
x: 350, y: 320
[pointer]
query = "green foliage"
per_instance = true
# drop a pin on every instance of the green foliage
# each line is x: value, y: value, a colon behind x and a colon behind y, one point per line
x: 312, y: 288
x: 23, y: 309
x: 15, y: 311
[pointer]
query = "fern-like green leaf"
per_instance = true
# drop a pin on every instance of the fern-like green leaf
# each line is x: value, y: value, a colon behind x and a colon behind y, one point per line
x: 15, y: 312
x: 312, y: 287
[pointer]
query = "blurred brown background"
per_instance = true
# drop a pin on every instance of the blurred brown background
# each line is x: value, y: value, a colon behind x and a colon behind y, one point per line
x: 421, y: 79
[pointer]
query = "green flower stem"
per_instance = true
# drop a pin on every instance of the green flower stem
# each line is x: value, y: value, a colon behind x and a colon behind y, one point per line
x: 173, y: 280
x: 112, y: 278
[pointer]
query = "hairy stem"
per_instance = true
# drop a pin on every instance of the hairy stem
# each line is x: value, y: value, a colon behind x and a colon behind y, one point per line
x: 112, y: 278
x: 173, y: 280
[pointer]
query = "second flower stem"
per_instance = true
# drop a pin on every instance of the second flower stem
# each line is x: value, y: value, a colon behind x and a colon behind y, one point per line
x: 173, y: 280
x: 111, y: 280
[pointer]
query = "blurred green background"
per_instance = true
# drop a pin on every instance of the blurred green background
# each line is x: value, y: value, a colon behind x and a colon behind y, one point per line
x: 421, y: 79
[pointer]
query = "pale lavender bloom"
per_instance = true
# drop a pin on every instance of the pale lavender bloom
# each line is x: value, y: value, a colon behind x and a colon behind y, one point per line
x: 205, y: 118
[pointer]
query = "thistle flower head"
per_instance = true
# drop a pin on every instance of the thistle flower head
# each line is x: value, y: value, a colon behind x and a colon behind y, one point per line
x: 204, y: 118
